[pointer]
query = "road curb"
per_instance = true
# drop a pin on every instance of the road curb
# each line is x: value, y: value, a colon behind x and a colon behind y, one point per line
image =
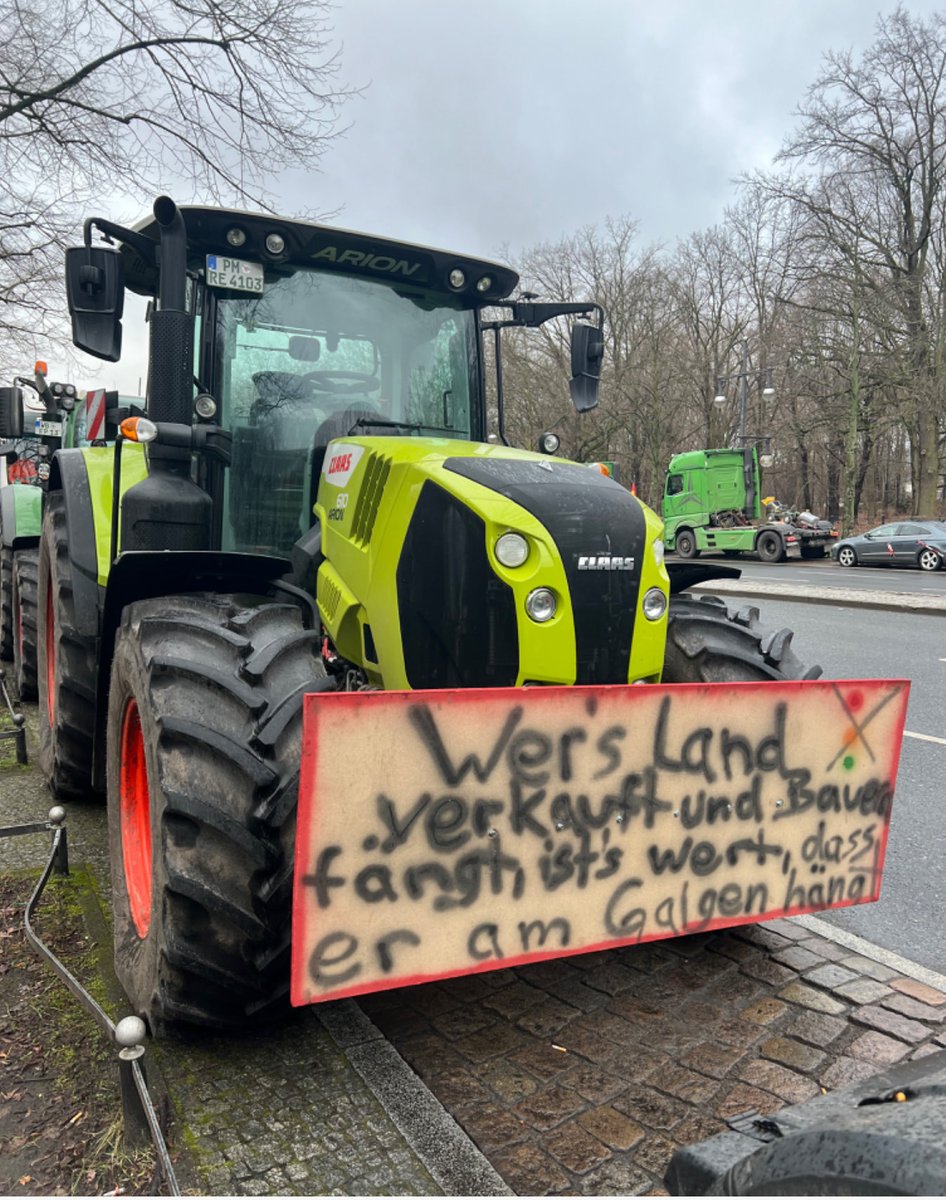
x: 860, y: 945
x: 446, y: 1151
x: 838, y: 596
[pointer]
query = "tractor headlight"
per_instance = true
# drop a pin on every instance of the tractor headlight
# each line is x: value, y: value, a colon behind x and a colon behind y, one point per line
x: 512, y: 549
x: 549, y: 443
x: 541, y: 605
x: 655, y: 604
x: 456, y: 279
x: 659, y: 549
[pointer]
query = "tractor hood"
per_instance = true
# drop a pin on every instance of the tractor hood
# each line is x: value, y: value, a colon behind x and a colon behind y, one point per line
x: 410, y: 528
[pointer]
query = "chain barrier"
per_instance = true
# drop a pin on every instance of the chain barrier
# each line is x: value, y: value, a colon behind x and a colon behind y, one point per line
x: 140, y: 1117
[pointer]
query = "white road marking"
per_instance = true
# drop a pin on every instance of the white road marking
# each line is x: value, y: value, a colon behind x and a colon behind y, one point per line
x: 925, y: 737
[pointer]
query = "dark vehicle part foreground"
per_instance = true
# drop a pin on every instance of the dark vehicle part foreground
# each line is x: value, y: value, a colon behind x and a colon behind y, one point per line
x: 882, y: 1137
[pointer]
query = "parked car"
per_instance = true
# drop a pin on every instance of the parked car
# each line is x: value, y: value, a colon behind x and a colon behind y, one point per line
x: 914, y: 543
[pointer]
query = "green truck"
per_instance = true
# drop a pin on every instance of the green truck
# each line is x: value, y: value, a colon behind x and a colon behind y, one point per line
x: 713, y: 501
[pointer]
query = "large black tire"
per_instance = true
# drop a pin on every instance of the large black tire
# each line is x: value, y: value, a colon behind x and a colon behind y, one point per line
x: 204, y: 739
x: 707, y: 643
x: 770, y: 547
x: 25, y: 624
x: 67, y: 664
x: 685, y: 544
x: 6, y: 604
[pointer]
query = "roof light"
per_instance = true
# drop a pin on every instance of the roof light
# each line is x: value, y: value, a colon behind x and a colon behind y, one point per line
x: 138, y: 429
x: 456, y: 278
x: 40, y: 368
x: 549, y: 442
x: 236, y: 236
x: 484, y: 283
x: 275, y: 243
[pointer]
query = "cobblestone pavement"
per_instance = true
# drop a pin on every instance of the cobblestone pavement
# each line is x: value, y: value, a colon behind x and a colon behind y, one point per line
x: 574, y: 1076
x: 583, y: 1075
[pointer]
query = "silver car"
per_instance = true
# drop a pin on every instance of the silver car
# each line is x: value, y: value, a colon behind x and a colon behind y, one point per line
x: 899, y: 544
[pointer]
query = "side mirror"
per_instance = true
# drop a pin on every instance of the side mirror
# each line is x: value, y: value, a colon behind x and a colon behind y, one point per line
x: 95, y: 287
x: 587, y: 353
x: 11, y: 412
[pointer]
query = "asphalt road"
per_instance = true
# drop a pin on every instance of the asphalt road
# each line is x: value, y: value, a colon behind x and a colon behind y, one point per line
x: 827, y: 573
x: 858, y: 643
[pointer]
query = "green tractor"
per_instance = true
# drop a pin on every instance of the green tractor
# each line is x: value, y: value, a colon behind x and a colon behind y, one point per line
x: 313, y: 504
x: 36, y: 431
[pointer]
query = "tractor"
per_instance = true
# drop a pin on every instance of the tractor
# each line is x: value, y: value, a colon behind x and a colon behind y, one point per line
x: 313, y: 503
x: 35, y: 430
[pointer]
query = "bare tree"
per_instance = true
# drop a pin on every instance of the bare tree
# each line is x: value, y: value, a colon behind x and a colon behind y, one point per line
x: 868, y: 171
x: 120, y: 100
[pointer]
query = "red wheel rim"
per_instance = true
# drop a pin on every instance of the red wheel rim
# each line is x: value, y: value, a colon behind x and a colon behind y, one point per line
x: 135, y: 816
x: 50, y: 653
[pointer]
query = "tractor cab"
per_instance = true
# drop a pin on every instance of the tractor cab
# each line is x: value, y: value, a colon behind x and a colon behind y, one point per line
x: 300, y: 335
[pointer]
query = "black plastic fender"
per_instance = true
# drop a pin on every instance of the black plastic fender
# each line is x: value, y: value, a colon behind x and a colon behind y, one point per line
x: 685, y: 574
x: 69, y: 475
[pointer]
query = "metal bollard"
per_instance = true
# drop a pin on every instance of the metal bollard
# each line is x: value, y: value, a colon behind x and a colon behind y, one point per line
x: 129, y: 1034
x: 19, y: 725
x: 57, y: 819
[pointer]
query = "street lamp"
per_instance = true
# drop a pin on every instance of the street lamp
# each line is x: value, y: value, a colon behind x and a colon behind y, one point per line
x: 742, y: 375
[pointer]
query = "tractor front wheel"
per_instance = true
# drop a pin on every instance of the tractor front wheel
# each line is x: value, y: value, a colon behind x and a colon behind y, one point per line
x: 66, y: 667
x: 203, y: 752
x: 25, y: 624
x: 708, y: 643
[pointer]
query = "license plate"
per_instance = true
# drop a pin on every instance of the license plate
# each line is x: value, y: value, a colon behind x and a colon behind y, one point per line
x: 234, y: 273
x: 442, y: 833
x: 48, y: 428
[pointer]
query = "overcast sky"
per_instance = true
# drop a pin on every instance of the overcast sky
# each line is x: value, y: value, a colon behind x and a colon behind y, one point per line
x: 486, y: 124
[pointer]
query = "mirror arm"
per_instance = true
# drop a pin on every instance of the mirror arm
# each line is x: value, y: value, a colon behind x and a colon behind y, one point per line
x: 144, y: 246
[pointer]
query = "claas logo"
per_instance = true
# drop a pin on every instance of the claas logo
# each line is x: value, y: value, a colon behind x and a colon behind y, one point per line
x: 341, y: 462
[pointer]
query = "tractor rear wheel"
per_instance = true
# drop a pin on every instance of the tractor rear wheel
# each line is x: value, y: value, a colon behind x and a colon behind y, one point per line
x: 66, y: 667
x: 6, y: 604
x: 25, y: 573
x: 708, y: 643
x: 203, y: 753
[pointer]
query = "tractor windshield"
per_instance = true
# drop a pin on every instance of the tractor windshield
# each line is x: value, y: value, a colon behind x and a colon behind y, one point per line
x: 319, y: 356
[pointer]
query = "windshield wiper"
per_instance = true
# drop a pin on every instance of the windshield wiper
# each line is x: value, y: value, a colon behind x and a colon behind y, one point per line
x: 364, y: 422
